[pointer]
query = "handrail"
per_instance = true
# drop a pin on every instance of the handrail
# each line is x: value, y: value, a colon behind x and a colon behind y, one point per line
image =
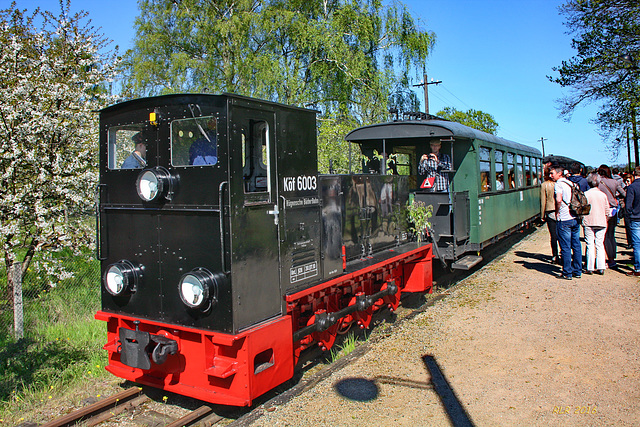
x: 98, y: 200
x: 222, y: 239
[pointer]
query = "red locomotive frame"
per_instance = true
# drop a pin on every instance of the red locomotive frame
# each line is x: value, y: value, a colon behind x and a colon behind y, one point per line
x: 236, y: 369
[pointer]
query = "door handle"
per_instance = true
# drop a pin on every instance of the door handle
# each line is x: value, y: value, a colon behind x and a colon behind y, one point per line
x: 276, y: 214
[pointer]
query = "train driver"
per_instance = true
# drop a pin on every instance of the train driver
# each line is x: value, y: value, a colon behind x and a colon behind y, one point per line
x: 434, y: 164
x: 137, y: 158
x: 204, y: 150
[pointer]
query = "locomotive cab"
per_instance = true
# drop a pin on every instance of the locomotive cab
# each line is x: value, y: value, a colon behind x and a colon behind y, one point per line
x: 242, y: 174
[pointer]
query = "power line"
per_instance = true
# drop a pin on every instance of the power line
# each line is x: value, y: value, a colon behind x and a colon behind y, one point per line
x: 504, y: 132
x: 452, y: 94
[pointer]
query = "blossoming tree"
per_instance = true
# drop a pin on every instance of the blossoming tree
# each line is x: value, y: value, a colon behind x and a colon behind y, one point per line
x: 53, y: 76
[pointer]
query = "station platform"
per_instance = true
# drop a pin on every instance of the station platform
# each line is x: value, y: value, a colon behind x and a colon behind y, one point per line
x: 510, y: 345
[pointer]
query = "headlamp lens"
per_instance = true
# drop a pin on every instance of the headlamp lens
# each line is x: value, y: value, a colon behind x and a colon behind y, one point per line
x: 148, y: 185
x: 123, y: 277
x: 193, y: 291
x: 115, y: 280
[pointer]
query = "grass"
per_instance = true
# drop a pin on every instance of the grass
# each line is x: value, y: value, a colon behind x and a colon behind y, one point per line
x: 62, y: 347
x: 347, y: 346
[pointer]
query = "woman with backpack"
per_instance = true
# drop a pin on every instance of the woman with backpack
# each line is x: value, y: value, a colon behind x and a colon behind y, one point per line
x: 611, y: 188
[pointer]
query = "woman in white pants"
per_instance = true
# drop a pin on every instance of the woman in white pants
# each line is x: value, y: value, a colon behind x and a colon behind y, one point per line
x: 595, y: 225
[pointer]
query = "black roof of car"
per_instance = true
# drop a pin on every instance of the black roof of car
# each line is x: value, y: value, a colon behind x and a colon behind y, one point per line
x: 406, y: 130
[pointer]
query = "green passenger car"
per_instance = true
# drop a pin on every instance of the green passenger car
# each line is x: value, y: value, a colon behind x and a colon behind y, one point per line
x: 492, y: 186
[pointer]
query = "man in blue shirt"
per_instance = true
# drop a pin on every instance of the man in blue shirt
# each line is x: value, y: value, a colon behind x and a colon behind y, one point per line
x: 567, y: 226
x: 632, y: 203
x: 137, y: 159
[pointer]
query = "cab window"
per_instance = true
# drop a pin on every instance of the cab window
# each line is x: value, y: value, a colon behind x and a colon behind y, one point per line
x: 128, y: 146
x: 194, y: 142
x: 256, y: 163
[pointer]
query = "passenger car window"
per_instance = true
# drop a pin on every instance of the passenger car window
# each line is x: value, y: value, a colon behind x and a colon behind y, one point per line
x: 527, y: 170
x: 520, y: 173
x: 485, y: 169
x: 511, y: 171
x: 194, y: 142
x: 499, y: 163
x: 540, y: 171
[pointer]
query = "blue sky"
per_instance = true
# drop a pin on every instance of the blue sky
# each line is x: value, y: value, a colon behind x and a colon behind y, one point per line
x: 491, y: 55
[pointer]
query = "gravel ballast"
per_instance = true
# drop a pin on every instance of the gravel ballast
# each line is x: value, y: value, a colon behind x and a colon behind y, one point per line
x: 516, y: 345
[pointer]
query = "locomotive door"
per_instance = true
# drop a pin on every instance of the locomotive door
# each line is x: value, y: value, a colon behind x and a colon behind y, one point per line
x: 255, y: 217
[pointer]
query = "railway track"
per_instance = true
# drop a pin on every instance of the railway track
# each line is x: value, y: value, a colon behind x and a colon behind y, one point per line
x: 129, y: 402
x: 134, y: 406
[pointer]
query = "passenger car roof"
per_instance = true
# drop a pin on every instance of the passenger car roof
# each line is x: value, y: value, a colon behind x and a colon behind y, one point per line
x: 406, y: 131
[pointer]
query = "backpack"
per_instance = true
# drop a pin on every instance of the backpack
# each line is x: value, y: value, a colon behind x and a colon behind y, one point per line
x: 579, y: 205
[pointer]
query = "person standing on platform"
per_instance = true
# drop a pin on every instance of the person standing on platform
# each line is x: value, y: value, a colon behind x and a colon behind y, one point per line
x: 611, y: 188
x: 568, y: 227
x: 595, y: 225
x: 548, y: 213
x: 575, y: 176
x: 633, y: 215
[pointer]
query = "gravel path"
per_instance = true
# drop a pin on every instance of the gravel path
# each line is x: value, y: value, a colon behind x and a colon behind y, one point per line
x: 516, y: 345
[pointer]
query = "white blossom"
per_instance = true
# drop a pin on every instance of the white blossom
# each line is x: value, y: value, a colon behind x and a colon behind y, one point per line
x: 51, y: 80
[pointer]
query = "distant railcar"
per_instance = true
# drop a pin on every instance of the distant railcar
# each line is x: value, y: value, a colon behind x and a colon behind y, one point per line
x: 225, y: 254
x: 563, y: 161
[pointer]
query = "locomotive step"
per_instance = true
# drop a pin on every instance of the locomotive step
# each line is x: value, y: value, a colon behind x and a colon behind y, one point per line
x: 467, y: 262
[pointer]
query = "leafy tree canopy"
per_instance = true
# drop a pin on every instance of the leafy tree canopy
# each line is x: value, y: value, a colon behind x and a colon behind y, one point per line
x: 604, y: 32
x: 472, y: 118
x: 51, y: 80
x: 606, y: 37
x: 330, y: 54
x: 349, y: 59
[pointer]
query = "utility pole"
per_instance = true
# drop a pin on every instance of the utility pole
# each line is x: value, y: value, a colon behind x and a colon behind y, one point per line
x: 628, y: 152
x: 542, y: 142
x: 635, y: 133
x: 425, y: 84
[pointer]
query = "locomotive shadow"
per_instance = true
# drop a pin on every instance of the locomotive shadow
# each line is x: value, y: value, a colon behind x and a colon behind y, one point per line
x: 164, y: 397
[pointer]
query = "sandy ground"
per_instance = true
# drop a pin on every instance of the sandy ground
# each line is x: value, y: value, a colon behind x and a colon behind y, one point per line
x: 517, y: 347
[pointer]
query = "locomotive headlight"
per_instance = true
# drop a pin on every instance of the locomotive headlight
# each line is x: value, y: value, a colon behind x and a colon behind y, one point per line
x: 122, y: 277
x: 199, y: 289
x: 148, y: 184
x: 155, y: 184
